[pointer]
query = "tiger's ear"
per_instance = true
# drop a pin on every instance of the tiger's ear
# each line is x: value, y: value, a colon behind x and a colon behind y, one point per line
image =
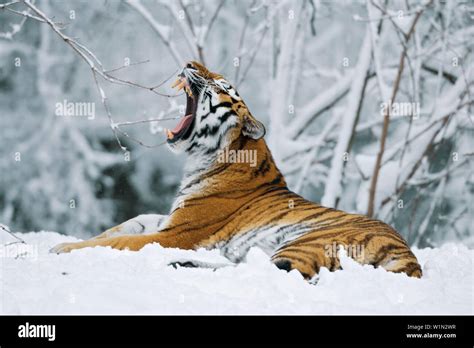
x: 253, y: 128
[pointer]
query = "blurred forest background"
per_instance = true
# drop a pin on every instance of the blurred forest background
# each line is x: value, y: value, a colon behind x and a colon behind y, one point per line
x: 319, y: 74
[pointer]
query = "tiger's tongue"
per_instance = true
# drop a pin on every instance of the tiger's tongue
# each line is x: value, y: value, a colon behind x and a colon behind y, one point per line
x: 183, y: 123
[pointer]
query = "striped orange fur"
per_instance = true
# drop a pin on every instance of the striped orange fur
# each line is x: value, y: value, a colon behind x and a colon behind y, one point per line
x: 234, y: 206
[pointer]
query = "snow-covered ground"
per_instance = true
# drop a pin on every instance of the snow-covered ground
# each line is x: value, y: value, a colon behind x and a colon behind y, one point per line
x: 103, y: 281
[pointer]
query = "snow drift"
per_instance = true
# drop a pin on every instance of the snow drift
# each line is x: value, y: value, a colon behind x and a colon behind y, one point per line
x: 106, y: 281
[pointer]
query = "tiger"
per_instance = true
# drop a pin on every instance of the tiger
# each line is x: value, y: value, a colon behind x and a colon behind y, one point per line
x: 233, y: 205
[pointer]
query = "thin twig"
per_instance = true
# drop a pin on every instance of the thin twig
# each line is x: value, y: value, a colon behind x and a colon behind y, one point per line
x: 96, y: 67
x: 6, y: 229
x: 383, y: 137
x: 126, y: 66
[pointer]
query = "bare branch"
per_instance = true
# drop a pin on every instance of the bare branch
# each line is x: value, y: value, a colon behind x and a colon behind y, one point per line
x: 7, y: 229
x: 126, y: 66
x: 383, y: 137
x: 95, y: 65
x: 7, y: 4
x: 26, y: 14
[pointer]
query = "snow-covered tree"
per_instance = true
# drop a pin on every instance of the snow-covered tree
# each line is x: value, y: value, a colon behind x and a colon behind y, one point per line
x: 368, y: 105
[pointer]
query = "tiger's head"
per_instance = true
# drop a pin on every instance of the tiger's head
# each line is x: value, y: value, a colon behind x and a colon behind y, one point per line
x: 215, y: 114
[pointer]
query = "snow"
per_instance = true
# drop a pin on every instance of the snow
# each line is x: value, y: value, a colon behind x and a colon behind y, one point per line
x: 106, y: 281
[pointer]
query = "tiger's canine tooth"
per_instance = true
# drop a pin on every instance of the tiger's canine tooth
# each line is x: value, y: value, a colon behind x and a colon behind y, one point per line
x: 179, y: 84
x: 188, y: 90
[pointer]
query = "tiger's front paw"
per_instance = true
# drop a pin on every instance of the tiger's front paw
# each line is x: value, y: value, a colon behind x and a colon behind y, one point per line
x: 65, y: 248
x: 127, y: 242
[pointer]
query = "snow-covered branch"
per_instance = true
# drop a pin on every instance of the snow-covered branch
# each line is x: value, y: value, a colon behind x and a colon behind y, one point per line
x: 355, y: 98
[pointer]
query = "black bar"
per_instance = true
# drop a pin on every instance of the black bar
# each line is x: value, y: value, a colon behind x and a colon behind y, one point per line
x: 289, y: 330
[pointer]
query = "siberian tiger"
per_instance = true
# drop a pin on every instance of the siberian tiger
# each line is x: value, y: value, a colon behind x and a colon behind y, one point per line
x: 234, y: 205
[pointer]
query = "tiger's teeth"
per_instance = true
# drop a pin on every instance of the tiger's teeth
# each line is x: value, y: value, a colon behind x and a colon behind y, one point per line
x: 188, y: 90
x: 179, y: 84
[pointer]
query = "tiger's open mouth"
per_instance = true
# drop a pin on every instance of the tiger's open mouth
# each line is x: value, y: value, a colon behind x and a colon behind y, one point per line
x: 183, y: 129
